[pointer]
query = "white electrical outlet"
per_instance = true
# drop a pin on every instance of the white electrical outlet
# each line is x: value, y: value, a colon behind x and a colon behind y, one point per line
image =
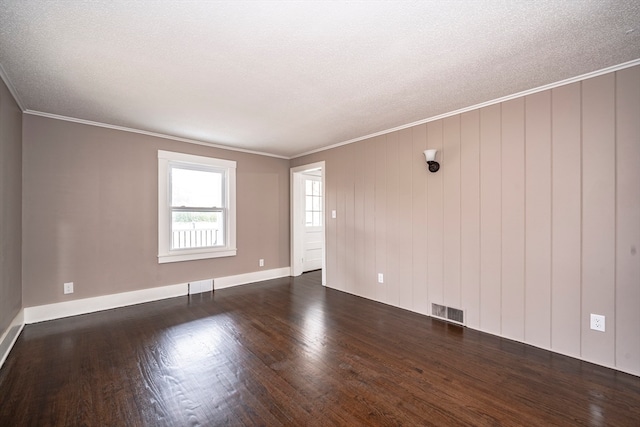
x: 333, y: 214
x: 68, y: 288
x: 261, y: 263
x: 380, y: 278
x: 597, y: 322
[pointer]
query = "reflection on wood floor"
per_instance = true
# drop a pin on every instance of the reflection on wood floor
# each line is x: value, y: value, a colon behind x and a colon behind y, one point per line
x: 291, y: 352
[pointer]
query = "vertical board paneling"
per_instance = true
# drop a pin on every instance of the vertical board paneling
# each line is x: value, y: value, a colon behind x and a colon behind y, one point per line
x: 393, y: 241
x: 532, y: 223
x: 380, y: 143
x: 490, y: 219
x: 628, y: 220
x: 434, y: 219
x: 450, y: 169
x: 470, y: 216
x: 565, y: 262
x: 598, y: 216
x: 369, y: 159
x: 538, y: 220
x: 419, y: 208
x: 405, y: 219
x: 359, y: 167
x: 330, y: 181
x: 349, y: 217
x: 513, y: 219
x: 341, y: 231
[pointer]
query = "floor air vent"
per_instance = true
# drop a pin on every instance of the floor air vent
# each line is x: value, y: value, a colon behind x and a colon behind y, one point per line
x: 450, y: 314
x: 200, y: 286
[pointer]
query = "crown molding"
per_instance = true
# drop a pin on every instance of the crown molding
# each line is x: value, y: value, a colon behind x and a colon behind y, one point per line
x: 11, y: 87
x: 147, y: 133
x: 481, y: 105
x: 579, y: 78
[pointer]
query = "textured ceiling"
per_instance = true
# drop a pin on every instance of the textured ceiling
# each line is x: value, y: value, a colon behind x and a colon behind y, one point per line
x: 288, y: 77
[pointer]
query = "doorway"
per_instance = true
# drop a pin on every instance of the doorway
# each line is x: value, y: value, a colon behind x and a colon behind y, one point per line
x: 307, y: 219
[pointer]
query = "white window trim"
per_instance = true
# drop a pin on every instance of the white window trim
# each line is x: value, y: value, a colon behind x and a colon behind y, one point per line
x: 165, y: 253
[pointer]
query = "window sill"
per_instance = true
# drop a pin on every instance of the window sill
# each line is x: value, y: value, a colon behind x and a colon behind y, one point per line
x: 193, y: 256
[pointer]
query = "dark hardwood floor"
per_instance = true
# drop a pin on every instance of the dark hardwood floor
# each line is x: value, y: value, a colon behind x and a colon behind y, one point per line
x: 290, y: 352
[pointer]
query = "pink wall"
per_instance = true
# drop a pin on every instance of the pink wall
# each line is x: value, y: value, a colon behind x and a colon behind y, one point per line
x: 90, y: 212
x: 531, y: 224
x: 10, y: 208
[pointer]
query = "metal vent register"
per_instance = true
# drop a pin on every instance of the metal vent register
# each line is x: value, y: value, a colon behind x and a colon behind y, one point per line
x: 449, y: 314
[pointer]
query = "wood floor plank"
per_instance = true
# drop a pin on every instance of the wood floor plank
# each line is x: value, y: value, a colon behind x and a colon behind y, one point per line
x: 289, y: 352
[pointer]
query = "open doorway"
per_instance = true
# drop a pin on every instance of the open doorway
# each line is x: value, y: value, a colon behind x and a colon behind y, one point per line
x: 307, y: 219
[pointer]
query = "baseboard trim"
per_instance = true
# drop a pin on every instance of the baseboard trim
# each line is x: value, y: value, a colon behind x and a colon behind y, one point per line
x: 10, y: 336
x: 562, y: 353
x: 256, y: 276
x: 59, y: 310
x: 42, y: 313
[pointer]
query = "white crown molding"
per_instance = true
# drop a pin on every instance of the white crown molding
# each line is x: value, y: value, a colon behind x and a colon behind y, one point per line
x: 11, y: 87
x: 144, y: 132
x: 329, y: 147
x: 481, y: 105
x: 256, y: 276
x: 10, y: 336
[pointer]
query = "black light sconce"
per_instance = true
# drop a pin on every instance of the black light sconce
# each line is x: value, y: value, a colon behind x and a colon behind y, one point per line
x: 430, y: 156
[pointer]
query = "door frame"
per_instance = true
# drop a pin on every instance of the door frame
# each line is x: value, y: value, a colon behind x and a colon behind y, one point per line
x: 297, y: 218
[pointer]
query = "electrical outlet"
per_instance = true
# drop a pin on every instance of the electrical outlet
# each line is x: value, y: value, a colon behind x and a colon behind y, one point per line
x: 68, y: 288
x: 597, y: 322
x: 261, y: 263
x: 380, y: 278
x: 333, y: 214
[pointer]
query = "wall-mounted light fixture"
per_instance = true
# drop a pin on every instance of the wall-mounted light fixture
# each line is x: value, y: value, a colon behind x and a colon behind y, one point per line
x: 430, y: 156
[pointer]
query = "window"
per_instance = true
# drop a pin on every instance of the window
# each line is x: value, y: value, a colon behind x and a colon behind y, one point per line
x: 196, y: 207
x: 313, y: 202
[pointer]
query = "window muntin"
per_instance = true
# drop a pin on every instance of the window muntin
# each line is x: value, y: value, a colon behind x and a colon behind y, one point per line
x: 313, y: 203
x: 196, y: 207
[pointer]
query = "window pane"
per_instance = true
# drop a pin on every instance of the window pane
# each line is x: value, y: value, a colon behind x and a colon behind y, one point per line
x: 316, y: 188
x: 196, y: 189
x: 316, y: 203
x: 317, y: 221
x: 308, y: 203
x: 309, y: 218
x: 308, y: 185
x: 196, y: 230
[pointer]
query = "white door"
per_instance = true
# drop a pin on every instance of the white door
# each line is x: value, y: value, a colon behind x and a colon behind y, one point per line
x: 299, y: 221
x: 313, y: 231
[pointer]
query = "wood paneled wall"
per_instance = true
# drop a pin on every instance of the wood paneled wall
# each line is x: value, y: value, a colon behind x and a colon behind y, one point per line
x: 531, y: 224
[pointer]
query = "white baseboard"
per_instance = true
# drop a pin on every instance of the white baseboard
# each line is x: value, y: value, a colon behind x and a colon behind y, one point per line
x: 10, y: 336
x: 59, y: 310
x: 572, y: 355
x: 256, y: 276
